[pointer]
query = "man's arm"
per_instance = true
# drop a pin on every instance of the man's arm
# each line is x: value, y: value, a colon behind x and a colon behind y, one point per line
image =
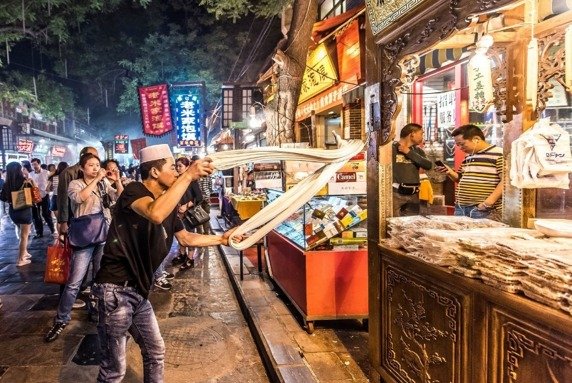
x: 64, y: 180
x: 156, y: 210
x: 418, y: 157
x: 186, y: 238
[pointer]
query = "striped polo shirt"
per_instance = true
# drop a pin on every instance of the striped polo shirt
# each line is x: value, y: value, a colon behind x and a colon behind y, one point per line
x: 480, y: 174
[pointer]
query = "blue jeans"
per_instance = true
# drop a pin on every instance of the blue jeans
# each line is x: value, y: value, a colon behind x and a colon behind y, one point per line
x: 472, y: 211
x: 123, y: 311
x: 78, y: 268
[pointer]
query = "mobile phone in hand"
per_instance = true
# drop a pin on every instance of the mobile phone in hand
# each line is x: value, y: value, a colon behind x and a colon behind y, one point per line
x: 440, y: 163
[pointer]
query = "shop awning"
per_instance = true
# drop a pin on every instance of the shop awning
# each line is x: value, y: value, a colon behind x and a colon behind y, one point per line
x: 550, y: 8
x: 53, y: 136
x: 322, y: 27
x: 437, y: 57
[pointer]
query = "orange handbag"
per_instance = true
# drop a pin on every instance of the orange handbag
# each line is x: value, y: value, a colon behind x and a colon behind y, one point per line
x: 58, y: 263
x: 36, y: 195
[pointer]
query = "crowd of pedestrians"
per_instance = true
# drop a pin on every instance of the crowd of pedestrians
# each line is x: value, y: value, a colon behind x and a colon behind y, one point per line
x: 140, y: 218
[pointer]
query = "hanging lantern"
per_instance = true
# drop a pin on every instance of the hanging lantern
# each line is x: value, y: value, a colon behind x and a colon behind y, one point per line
x: 568, y: 60
x: 532, y: 72
x: 480, y: 76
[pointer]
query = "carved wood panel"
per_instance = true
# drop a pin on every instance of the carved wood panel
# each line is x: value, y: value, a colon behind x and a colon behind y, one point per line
x: 422, y: 330
x: 526, y: 352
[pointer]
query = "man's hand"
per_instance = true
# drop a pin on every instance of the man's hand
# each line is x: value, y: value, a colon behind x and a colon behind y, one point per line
x: 228, y: 234
x: 201, y: 168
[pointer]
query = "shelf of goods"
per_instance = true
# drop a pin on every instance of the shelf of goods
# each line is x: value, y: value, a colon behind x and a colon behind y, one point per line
x: 476, y: 315
x: 318, y: 258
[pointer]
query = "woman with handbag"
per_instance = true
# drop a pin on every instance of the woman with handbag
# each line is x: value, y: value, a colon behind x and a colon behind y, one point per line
x: 90, y: 198
x: 20, y: 211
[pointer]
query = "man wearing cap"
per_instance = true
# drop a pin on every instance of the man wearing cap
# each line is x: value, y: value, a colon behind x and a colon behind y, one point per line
x: 140, y: 236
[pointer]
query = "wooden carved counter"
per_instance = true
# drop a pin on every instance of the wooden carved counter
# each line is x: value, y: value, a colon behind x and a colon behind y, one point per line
x: 441, y: 327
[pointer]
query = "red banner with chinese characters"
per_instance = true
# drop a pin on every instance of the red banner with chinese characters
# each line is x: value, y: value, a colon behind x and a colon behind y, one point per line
x: 155, y: 112
x: 136, y: 145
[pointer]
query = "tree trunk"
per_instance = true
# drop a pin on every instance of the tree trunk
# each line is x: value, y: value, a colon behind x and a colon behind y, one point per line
x: 288, y: 68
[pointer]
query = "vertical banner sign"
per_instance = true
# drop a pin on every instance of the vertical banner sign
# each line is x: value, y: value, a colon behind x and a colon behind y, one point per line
x: 136, y: 145
x: 187, y: 112
x: 155, y: 112
x: 446, y: 108
x: 121, y: 144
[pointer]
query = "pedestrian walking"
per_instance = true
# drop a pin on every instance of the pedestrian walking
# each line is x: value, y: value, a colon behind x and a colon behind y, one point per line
x: 22, y: 218
x: 42, y: 208
x: 141, y: 234
x: 88, y: 195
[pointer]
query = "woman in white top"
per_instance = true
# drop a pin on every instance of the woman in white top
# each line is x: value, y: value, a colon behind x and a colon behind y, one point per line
x: 90, y: 194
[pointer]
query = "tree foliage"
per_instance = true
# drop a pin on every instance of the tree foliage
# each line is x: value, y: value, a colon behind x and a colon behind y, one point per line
x: 235, y: 9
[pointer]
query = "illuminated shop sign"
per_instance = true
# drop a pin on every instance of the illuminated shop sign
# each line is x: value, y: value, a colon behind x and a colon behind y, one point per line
x: 58, y: 151
x: 320, y: 73
x: 25, y: 146
x: 155, y: 112
x: 121, y: 144
x: 187, y: 113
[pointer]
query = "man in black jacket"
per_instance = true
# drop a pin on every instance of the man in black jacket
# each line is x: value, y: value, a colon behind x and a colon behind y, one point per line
x: 408, y: 158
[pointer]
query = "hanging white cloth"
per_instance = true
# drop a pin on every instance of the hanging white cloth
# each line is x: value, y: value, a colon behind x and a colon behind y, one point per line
x: 541, y: 157
x: 277, y: 211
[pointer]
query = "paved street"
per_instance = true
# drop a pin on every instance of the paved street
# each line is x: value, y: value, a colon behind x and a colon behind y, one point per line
x: 206, y: 336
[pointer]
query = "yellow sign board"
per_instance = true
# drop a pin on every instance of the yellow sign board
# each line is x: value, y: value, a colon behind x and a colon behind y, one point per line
x: 320, y: 73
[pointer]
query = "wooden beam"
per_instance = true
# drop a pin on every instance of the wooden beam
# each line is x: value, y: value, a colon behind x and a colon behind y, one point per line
x: 547, y: 26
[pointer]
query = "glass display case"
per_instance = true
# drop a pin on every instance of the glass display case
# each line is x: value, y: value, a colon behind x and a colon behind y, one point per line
x: 328, y: 222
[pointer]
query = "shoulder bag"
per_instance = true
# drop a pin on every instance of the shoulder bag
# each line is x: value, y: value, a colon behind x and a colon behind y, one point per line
x: 196, y: 215
x: 22, y: 199
x: 87, y: 230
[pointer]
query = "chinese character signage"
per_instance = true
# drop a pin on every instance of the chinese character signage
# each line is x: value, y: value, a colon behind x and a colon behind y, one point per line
x: 58, y: 151
x: 446, y: 109
x: 155, y: 112
x: 25, y: 146
x: 121, y: 144
x: 136, y: 145
x: 480, y: 83
x: 187, y: 112
x: 385, y: 13
x: 320, y: 73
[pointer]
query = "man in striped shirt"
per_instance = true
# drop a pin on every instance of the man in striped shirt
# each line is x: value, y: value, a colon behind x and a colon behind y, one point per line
x: 480, y: 186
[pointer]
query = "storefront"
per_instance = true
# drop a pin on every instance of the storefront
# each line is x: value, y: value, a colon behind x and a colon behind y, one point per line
x: 331, y: 98
x: 420, y: 65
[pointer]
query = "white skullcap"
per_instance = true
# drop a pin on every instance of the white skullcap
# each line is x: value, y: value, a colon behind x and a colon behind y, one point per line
x: 155, y: 152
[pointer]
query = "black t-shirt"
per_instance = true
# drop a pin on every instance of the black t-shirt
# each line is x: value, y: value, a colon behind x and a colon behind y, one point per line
x: 135, y: 246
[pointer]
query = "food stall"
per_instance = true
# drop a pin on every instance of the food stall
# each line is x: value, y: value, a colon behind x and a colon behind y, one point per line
x: 428, y: 322
x: 318, y: 256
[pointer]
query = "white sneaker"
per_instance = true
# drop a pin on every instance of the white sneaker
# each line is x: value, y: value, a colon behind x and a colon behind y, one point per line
x: 163, y: 284
x: 78, y: 304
